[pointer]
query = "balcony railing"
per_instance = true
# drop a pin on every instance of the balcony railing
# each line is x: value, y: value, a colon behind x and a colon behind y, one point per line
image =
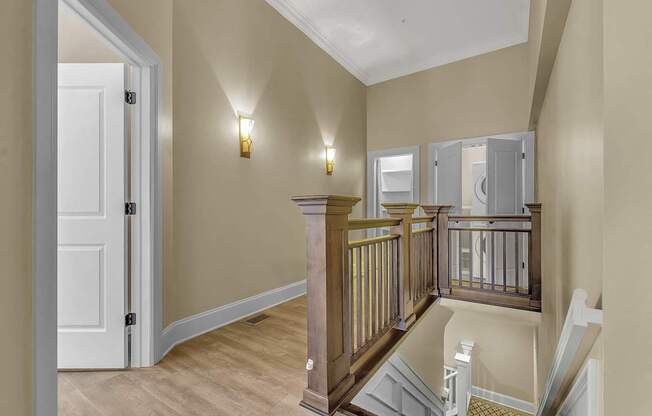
x: 364, y: 293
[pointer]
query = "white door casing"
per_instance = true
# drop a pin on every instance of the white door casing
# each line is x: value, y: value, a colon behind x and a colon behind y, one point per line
x: 91, y: 220
x: 448, y: 176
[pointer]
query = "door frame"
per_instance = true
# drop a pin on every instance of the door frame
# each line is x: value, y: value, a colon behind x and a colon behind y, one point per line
x: 146, y: 190
x: 528, y: 139
x: 374, y: 155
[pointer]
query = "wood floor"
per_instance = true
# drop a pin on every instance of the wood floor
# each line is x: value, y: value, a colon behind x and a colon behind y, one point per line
x: 235, y: 370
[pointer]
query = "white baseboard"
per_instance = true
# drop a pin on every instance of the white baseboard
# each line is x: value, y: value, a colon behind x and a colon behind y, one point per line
x: 503, y: 399
x: 195, y: 325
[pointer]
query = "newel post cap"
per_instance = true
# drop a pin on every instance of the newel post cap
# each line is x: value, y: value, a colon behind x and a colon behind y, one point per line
x: 325, y: 204
x: 534, y: 206
x: 431, y: 209
x: 399, y: 209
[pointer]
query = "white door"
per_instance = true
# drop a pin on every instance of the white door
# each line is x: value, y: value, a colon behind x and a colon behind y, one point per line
x: 504, y: 177
x: 449, y: 176
x: 505, y: 197
x: 91, y: 219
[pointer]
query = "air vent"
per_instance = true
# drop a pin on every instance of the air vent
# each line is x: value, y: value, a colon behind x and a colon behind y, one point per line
x: 255, y: 320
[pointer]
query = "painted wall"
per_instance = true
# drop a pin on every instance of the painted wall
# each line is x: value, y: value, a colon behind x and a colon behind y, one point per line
x: 236, y: 231
x: 503, y: 355
x: 15, y: 209
x: 78, y: 43
x: 423, y: 349
x: 627, y: 194
x: 479, y: 96
x: 571, y: 174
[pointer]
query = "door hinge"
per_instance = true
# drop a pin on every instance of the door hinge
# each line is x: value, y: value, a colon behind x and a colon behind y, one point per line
x: 523, y: 155
x: 435, y: 163
x: 130, y: 319
x: 130, y: 97
x: 130, y: 208
x: 523, y: 265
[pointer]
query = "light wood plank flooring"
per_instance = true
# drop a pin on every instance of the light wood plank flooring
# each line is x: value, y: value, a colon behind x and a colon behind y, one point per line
x: 235, y: 370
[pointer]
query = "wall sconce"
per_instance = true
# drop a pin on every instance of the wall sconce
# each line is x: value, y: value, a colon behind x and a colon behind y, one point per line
x: 246, y: 145
x: 330, y: 160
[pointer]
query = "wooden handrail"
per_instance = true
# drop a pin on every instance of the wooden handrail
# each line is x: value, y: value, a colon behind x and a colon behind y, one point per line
x: 366, y: 223
x: 372, y: 240
x: 490, y: 218
x: 365, y: 295
x: 422, y: 219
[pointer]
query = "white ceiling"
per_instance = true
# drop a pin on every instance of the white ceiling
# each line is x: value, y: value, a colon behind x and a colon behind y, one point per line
x: 377, y: 40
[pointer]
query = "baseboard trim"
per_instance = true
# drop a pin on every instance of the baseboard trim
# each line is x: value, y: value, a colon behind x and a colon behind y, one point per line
x: 195, y: 325
x: 503, y: 399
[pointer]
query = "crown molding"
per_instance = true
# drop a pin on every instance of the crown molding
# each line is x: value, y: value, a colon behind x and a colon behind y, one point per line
x: 290, y: 11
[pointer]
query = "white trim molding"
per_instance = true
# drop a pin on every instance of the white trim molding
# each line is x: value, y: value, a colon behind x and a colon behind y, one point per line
x: 195, y: 325
x: 578, y: 320
x: 585, y: 393
x: 396, y: 389
x: 503, y: 399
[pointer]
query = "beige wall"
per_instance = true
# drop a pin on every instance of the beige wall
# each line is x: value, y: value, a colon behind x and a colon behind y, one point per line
x: 423, y: 349
x: 15, y: 209
x: 503, y: 355
x: 627, y: 194
x: 236, y: 231
x: 79, y: 43
x: 570, y: 173
x: 483, y: 95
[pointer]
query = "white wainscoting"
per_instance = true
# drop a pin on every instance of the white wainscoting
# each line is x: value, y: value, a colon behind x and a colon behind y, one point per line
x: 503, y: 399
x: 584, y: 397
x: 396, y: 390
x: 201, y: 323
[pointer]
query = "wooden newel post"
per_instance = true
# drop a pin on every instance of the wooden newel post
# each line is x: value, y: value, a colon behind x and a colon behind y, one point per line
x: 534, y: 258
x: 404, y: 211
x: 441, y: 212
x: 329, y: 321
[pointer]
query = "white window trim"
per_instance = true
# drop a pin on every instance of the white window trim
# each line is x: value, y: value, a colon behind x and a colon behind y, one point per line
x: 147, y: 275
x: 374, y: 155
x: 528, y: 144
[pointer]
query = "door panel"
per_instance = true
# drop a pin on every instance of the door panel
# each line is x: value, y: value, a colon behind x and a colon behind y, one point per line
x: 91, y: 223
x: 505, y: 197
x: 504, y: 177
x: 449, y: 176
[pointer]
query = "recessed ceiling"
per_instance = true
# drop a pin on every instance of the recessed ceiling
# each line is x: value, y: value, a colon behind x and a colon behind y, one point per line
x: 377, y: 40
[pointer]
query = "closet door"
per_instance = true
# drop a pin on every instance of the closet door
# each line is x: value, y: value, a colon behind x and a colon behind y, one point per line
x: 504, y: 177
x: 448, y: 172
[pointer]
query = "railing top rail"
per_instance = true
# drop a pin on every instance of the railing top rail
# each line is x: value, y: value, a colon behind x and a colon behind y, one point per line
x: 422, y: 230
x: 422, y: 219
x: 372, y: 240
x: 366, y: 223
x: 490, y: 218
x: 490, y: 229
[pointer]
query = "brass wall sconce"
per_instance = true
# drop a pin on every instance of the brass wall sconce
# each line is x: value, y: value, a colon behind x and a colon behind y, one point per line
x: 246, y: 125
x: 330, y: 160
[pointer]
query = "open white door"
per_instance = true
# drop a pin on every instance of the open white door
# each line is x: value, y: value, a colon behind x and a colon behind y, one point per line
x: 505, y: 197
x: 504, y: 177
x: 91, y: 219
x: 449, y: 176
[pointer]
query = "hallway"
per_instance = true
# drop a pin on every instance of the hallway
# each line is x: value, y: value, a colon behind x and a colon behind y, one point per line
x: 240, y: 369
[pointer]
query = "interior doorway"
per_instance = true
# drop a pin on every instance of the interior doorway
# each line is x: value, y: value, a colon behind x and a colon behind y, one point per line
x: 71, y: 184
x: 392, y: 176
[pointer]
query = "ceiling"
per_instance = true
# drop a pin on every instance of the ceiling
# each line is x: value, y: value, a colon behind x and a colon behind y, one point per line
x: 377, y: 40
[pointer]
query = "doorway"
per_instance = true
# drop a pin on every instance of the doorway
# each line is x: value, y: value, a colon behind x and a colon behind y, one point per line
x: 392, y: 176
x: 486, y: 176
x: 58, y: 186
